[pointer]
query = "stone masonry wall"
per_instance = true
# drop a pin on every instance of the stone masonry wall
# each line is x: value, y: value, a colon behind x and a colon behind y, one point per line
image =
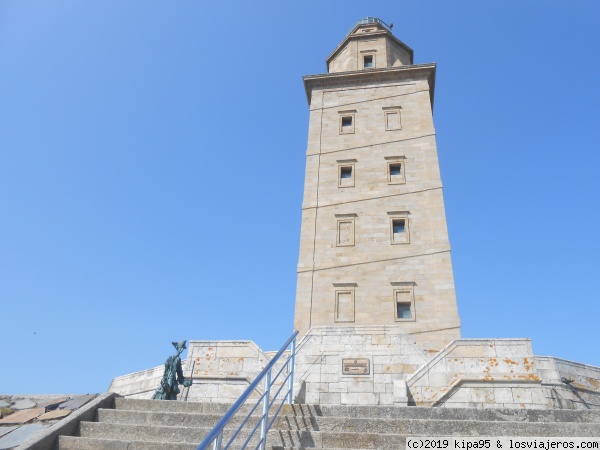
x: 582, y: 390
x: 220, y: 371
x: 498, y: 373
x: 320, y: 378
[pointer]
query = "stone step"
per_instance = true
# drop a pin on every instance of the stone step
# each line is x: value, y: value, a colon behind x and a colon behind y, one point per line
x: 316, y: 423
x: 424, y: 427
x: 345, y: 424
x: 174, y: 406
x: 143, y: 433
x: 391, y: 434
x: 172, y: 419
x: 420, y: 412
x: 82, y: 443
x: 163, y: 434
x: 375, y: 411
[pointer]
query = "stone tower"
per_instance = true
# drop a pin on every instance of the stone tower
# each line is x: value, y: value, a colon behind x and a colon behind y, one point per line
x: 374, y: 246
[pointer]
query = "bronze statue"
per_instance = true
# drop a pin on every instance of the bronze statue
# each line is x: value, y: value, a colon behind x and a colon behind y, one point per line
x: 173, y: 376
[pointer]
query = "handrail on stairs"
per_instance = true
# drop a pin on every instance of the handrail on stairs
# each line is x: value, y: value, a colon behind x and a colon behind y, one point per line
x: 215, y: 437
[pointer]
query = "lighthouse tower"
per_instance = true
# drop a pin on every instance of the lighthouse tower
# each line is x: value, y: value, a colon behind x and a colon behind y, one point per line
x: 374, y: 246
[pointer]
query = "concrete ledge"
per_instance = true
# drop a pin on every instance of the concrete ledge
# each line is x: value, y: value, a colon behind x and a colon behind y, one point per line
x: 68, y: 425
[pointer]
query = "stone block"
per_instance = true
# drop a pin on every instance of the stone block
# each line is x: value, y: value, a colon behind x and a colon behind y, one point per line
x: 522, y: 395
x: 360, y: 386
x: 390, y: 399
x: 349, y: 399
x: 337, y: 387
x: 241, y: 350
x: 483, y: 395
x: 514, y: 348
x: 538, y: 397
x: 331, y: 398
x: 503, y: 395
x: 364, y: 398
x: 312, y: 398
x: 400, y: 388
x: 317, y: 387
x: 438, y: 379
x: 461, y: 395
x: 329, y: 378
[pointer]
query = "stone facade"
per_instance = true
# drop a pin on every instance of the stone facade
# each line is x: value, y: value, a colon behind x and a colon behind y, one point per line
x: 386, y: 354
x: 374, y: 246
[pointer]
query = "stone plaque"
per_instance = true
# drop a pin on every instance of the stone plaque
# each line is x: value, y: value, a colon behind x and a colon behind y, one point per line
x: 356, y: 366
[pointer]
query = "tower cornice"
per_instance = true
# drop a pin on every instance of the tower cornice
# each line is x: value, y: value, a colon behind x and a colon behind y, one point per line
x: 371, y: 76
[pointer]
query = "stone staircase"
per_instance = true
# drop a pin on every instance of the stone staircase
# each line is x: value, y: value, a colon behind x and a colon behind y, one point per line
x: 153, y: 425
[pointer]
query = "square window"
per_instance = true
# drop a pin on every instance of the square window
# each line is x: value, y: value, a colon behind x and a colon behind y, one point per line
x: 399, y: 230
x: 345, y: 174
x: 398, y: 226
x: 403, y: 311
x: 368, y: 62
x: 404, y: 302
x: 396, y: 170
x: 346, y: 123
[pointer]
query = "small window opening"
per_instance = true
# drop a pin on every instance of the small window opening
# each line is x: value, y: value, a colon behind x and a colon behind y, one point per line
x: 346, y: 121
x: 403, y: 310
x: 368, y: 61
x: 346, y: 172
x: 399, y: 227
x: 396, y: 170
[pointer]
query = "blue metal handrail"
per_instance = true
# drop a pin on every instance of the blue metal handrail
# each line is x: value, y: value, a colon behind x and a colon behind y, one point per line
x: 216, y: 434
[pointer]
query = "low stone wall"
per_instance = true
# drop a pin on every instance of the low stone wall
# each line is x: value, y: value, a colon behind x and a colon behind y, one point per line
x: 140, y: 384
x: 355, y: 365
x: 220, y: 371
x: 581, y: 389
x: 382, y: 365
x: 476, y: 373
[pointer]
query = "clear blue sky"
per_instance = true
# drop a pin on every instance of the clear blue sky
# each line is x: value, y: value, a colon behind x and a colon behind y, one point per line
x: 152, y: 166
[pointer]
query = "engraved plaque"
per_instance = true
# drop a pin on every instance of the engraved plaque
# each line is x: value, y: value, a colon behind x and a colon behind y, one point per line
x: 356, y: 366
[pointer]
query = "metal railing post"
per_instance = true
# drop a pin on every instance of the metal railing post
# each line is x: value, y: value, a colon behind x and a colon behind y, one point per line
x: 218, y: 440
x: 292, y: 365
x: 215, y: 437
x: 265, y: 414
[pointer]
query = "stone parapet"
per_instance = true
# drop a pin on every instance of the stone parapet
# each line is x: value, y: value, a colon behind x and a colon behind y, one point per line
x: 499, y: 373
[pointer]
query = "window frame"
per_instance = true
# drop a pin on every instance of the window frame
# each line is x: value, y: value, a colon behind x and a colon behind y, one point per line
x: 344, y: 288
x: 388, y: 110
x: 345, y: 218
x: 344, y: 115
x: 393, y: 160
x: 406, y: 289
x: 346, y: 182
x: 397, y: 216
